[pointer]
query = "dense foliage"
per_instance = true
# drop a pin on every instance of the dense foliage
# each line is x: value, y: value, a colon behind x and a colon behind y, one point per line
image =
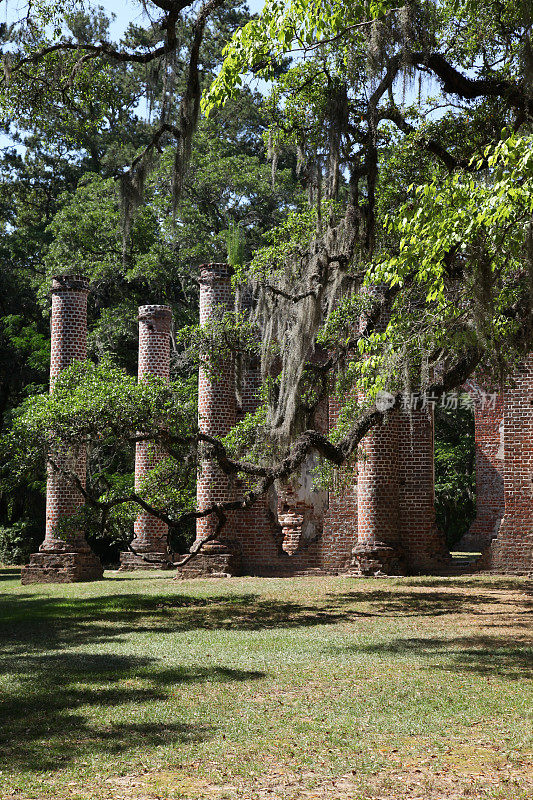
x: 380, y: 187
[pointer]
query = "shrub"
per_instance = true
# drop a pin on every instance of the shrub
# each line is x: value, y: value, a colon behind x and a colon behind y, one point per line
x: 18, y: 541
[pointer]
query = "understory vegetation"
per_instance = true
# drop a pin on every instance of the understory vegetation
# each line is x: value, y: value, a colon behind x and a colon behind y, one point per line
x: 290, y: 689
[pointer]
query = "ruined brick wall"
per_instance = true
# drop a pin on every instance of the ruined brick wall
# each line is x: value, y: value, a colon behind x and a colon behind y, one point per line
x: 269, y: 548
x: 279, y: 534
x: 340, y: 521
x: 392, y: 501
x: 390, y: 504
x: 490, y: 501
x: 150, y: 533
x: 512, y: 550
x: 255, y: 528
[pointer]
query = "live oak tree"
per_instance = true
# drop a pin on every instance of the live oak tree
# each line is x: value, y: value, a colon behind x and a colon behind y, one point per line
x: 405, y: 262
x: 435, y: 248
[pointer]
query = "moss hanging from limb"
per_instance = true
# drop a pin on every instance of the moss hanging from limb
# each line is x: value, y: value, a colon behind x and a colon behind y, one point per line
x: 133, y: 181
x: 338, y: 115
x: 289, y: 312
x: 131, y: 198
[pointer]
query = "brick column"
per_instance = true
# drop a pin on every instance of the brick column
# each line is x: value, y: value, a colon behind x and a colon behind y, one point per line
x: 512, y: 550
x: 65, y: 556
x: 378, y: 525
x: 150, y: 542
x: 490, y: 501
x: 217, y: 414
x: 423, y: 543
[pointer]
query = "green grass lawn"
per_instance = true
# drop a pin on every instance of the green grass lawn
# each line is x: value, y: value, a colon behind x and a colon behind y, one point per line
x: 337, y: 688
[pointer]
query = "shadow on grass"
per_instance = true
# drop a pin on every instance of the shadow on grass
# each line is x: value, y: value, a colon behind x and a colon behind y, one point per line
x: 474, y: 581
x: 55, y: 693
x: 51, y: 718
x: 49, y: 622
x: 484, y: 655
x: 401, y: 603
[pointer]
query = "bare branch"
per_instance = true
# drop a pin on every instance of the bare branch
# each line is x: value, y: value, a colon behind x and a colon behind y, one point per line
x: 454, y: 82
x: 393, y: 114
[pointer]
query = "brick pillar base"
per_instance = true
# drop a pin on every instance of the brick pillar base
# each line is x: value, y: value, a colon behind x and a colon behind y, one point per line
x: 512, y: 550
x: 220, y: 559
x: 130, y: 561
x: 62, y: 568
x: 65, y: 556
